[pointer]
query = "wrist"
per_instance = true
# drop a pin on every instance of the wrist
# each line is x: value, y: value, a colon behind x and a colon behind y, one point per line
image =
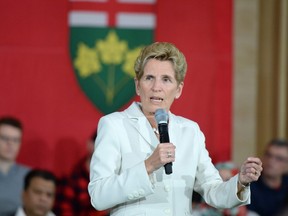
x: 148, y: 167
x: 243, y: 185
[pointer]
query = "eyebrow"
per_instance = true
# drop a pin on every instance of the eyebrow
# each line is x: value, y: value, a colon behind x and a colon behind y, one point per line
x: 164, y: 75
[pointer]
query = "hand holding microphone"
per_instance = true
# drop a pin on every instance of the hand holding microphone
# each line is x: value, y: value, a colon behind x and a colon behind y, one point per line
x: 161, y: 117
x: 164, y: 154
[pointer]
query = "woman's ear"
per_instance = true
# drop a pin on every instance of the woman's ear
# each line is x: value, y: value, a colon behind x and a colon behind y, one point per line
x: 136, y: 86
x: 179, y: 90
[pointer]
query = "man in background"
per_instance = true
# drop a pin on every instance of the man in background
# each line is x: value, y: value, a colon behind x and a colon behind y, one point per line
x: 72, y: 197
x: 269, y: 193
x: 11, y: 173
x: 39, y: 194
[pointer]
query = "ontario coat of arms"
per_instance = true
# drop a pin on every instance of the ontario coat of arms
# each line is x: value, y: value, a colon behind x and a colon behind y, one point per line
x: 103, y: 53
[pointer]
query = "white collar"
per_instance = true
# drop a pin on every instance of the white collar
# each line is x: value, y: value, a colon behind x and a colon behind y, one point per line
x: 20, y: 212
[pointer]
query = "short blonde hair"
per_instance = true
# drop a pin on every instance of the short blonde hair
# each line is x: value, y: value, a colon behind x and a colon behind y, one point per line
x: 162, y: 51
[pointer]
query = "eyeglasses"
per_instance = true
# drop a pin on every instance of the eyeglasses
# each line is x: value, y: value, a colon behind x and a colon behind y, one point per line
x: 276, y: 157
x: 4, y: 138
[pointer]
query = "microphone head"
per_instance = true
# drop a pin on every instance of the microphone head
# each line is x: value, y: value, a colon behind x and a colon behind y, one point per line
x: 161, y: 116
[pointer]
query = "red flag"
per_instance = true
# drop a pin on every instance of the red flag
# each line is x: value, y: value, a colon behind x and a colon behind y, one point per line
x: 38, y: 86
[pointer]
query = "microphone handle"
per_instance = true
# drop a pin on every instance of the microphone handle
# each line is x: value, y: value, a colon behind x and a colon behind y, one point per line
x: 164, y: 138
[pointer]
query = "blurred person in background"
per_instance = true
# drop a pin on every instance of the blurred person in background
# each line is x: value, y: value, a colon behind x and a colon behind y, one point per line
x: 72, y: 196
x: 39, y: 194
x: 11, y: 173
x: 269, y: 193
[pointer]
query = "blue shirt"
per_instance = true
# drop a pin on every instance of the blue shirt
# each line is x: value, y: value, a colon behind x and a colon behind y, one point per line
x: 11, y: 187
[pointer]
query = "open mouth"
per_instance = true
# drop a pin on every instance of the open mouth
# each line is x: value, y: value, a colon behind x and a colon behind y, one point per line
x: 156, y: 99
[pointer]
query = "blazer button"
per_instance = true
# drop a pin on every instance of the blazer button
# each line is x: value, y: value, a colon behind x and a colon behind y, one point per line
x: 135, y: 194
x: 167, y: 211
x: 167, y: 188
x: 130, y: 196
x: 141, y: 192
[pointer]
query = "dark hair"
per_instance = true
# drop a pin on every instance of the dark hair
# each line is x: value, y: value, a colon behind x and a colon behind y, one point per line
x: 34, y: 173
x: 8, y: 120
x: 279, y: 143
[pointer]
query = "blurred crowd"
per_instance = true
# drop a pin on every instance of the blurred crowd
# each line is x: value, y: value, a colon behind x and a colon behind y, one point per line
x: 27, y: 191
x: 31, y: 191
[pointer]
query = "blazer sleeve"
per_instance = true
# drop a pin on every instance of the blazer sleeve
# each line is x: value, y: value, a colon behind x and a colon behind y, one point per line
x: 210, y: 185
x: 110, y: 184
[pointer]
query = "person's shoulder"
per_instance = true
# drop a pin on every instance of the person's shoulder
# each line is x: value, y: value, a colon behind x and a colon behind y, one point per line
x: 113, y: 116
x: 20, y: 168
x: 130, y: 112
x: 184, y: 121
x: 13, y: 214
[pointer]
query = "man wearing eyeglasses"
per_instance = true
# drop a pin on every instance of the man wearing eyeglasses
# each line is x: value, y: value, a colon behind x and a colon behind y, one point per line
x: 269, y: 193
x: 11, y: 173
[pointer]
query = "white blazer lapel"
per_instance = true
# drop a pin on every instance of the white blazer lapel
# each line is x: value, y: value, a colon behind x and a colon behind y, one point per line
x: 140, y: 124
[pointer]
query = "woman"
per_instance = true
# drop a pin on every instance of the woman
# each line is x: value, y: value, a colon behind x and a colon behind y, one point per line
x: 127, y: 173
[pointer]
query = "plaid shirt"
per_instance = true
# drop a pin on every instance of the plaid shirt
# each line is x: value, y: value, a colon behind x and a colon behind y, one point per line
x: 72, y: 194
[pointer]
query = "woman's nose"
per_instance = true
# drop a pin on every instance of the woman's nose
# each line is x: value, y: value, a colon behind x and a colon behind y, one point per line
x: 157, y: 85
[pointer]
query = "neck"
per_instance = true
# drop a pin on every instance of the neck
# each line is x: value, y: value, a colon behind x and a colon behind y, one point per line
x: 150, y: 117
x: 5, y: 166
x: 152, y: 121
x: 273, y: 182
x: 31, y: 213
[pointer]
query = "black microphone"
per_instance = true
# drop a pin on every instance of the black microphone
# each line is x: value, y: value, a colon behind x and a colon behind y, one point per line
x: 161, y: 117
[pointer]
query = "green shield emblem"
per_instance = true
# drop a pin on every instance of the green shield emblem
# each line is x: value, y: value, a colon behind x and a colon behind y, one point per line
x: 103, y: 61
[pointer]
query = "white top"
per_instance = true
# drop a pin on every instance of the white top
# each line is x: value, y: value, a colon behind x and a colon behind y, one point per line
x: 20, y: 212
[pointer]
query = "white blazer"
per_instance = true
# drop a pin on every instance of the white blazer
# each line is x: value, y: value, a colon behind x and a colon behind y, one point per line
x: 119, y: 180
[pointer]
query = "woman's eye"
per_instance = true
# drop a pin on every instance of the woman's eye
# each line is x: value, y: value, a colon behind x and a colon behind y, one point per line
x: 166, y: 79
x: 149, y: 77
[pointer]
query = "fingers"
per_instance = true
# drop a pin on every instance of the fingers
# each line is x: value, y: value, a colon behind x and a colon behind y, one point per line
x: 250, y: 170
x: 254, y: 160
x: 252, y: 166
x: 167, y: 152
x: 163, y: 154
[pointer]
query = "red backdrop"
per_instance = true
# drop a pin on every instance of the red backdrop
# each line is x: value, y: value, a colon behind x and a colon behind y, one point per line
x: 38, y: 86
